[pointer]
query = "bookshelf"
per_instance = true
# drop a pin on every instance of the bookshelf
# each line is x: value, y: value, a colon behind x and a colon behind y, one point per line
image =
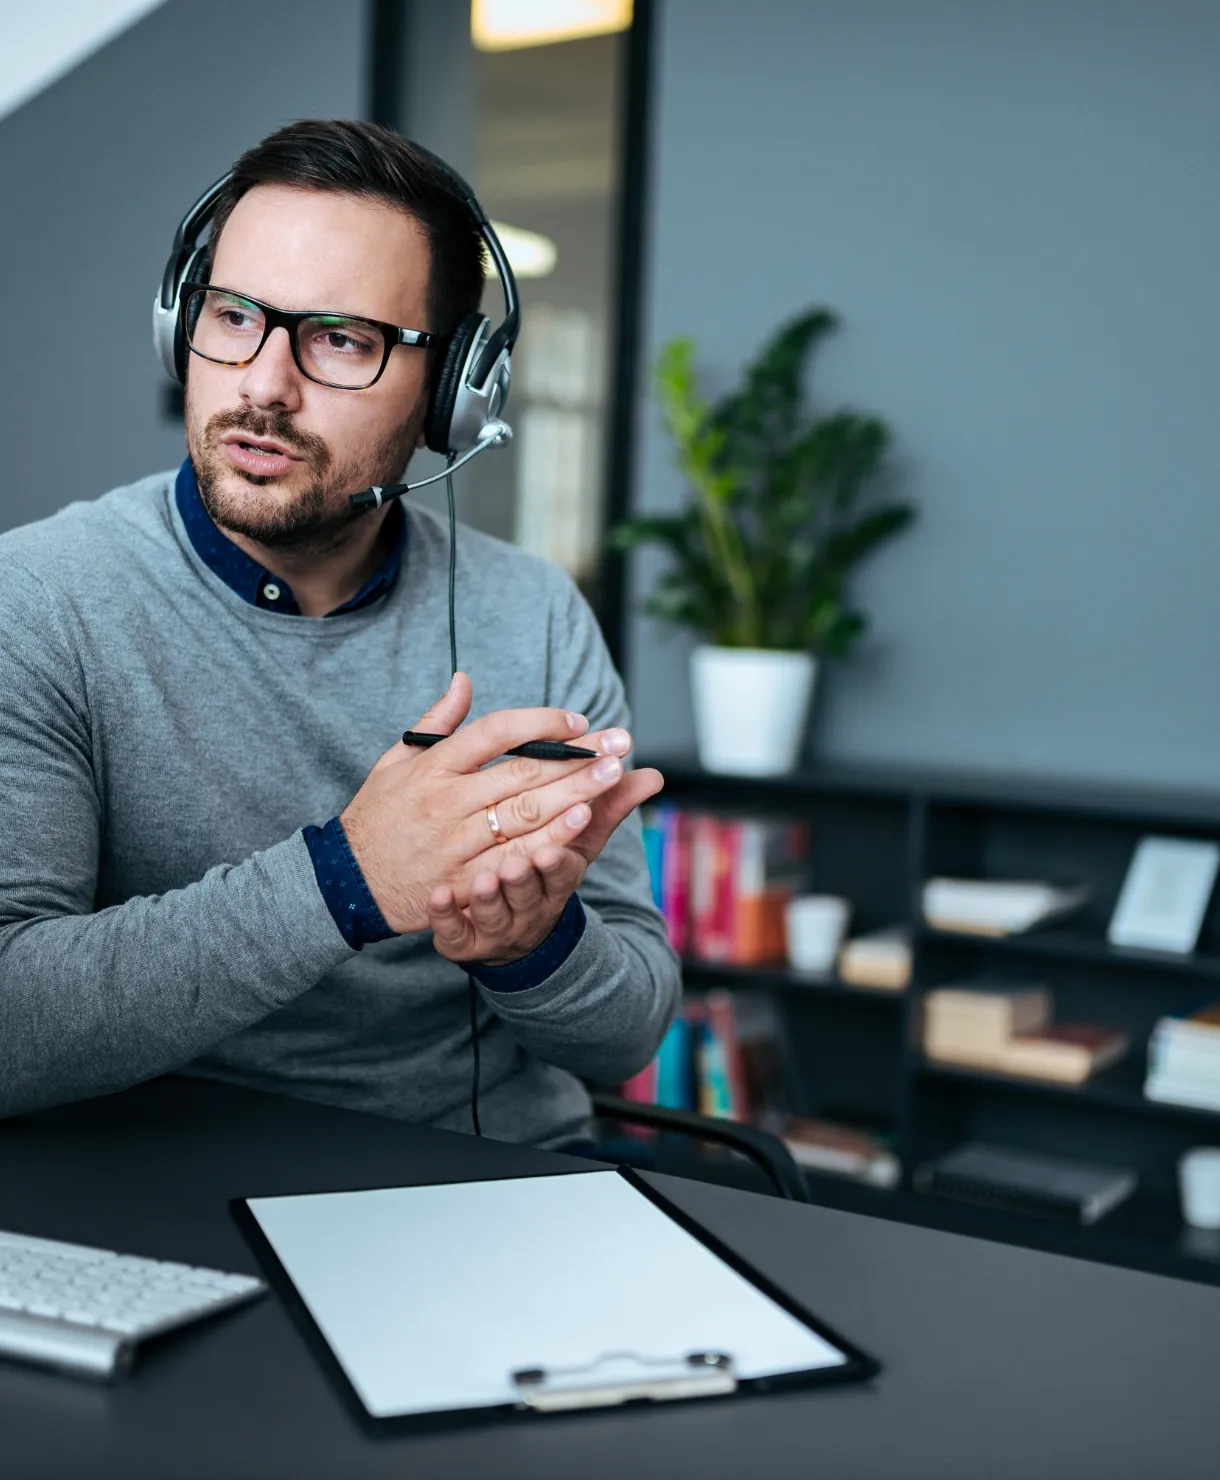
x: 876, y: 835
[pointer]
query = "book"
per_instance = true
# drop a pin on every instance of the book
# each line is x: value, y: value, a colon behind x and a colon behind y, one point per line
x: 1079, y: 1191
x: 675, y: 1070
x: 1197, y: 1025
x: 715, y: 1094
x: 988, y: 1015
x: 743, y: 871
x: 881, y: 960
x: 722, y: 1026
x: 652, y: 835
x: 642, y: 1087
x: 767, y: 862
x: 675, y: 876
x: 994, y: 907
x: 1178, y: 1090
x: 708, y: 937
x: 1184, y: 1057
x: 1066, y: 1052
x: 823, y: 1146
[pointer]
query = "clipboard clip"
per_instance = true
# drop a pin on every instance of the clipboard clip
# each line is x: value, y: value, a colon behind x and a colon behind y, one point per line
x: 624, y: 1377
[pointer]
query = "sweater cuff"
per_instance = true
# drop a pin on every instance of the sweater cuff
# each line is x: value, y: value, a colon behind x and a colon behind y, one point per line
x: 542, y: 961
x: 343, y: 886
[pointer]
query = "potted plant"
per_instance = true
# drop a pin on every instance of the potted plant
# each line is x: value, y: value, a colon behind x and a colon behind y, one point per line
x: 761, y: 554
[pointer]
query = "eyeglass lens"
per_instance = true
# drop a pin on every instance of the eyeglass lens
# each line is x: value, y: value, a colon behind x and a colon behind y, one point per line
x: 336, y: 350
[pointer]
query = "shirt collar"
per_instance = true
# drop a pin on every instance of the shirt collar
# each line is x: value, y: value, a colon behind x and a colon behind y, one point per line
x: 252, y: 581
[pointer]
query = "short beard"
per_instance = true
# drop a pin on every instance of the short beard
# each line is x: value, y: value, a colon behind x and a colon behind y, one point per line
x: 319, y: 521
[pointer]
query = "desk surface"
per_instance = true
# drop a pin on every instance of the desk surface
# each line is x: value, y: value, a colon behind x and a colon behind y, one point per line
x: 999, y: 1361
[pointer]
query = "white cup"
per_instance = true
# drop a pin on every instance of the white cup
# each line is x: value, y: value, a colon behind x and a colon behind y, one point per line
x: 1199, y: 1175
x: 815, y: 925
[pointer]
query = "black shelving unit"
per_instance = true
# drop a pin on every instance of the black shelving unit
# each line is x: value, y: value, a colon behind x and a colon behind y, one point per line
x: 856, y: 1053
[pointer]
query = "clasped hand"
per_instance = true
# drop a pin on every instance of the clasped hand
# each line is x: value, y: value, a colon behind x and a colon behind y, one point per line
x: 419, y: 826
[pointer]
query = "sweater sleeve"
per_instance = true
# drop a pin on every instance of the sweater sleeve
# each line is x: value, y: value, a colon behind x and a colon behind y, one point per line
x: 92, y: 1001
x: 603, y: 1011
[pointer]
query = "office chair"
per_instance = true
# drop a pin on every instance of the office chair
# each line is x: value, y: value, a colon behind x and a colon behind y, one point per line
x: 763, y: 1150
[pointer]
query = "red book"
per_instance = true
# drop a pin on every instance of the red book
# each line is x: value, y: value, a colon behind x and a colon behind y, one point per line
x: 1069, y: 1052
x: 675, y: 878
x: 720, y: 940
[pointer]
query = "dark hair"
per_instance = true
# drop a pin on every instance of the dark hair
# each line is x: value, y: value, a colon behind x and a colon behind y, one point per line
x: 372, y: 161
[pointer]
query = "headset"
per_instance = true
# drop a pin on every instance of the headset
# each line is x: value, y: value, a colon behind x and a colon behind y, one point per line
x: 470, y: 387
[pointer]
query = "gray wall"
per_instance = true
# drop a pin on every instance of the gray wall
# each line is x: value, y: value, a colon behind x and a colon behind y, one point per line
x: 1014, y: 207
x: 94, y: 176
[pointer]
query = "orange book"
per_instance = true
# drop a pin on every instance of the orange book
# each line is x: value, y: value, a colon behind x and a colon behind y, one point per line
x: 765, y: 862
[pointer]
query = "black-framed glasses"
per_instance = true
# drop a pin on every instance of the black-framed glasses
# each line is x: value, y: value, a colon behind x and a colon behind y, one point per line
x: 339, y: 350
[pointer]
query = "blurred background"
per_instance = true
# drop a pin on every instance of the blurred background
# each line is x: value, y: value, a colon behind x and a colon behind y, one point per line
x: 1012, y: 210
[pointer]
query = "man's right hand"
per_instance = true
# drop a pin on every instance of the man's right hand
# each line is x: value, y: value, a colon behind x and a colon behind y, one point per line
x: 420, y: 819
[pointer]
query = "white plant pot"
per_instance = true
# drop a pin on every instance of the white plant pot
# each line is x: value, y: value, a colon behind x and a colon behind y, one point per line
x: 750, y: 708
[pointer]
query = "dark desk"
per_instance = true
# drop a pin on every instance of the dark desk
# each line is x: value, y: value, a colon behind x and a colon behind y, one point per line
x: 999, y: 1362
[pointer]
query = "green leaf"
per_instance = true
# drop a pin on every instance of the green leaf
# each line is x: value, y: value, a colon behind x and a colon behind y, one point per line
x: 780, y: 513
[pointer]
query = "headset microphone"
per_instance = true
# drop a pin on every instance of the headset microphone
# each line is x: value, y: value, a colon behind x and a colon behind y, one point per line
x: 494, y: 434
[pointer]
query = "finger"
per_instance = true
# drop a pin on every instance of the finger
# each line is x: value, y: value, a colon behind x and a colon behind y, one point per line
x: 521, y: 884
x: 559, y: 871
x: 534, y: 808
x: 561, y: 830
x: 610, y: 809
x: 452, y: 932
x: 487, y: 738
x: 520, y: 773
x: 489, y: 909
x: 442, y: 719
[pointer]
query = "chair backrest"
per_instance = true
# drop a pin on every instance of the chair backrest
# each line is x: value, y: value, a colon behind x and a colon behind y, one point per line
x: 765, y: 1151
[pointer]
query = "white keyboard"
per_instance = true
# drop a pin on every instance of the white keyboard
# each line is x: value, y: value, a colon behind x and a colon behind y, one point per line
x: 85, y: 1310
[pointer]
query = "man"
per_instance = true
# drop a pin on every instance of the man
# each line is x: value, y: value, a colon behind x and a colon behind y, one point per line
x: 197, y: 671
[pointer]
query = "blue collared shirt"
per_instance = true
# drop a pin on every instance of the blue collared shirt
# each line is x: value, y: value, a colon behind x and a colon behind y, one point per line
x: 339, y: 876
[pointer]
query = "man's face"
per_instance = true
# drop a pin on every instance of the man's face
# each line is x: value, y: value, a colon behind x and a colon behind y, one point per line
x: 308, y: 249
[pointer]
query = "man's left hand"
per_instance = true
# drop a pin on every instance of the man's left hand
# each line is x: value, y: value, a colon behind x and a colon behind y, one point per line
x: 511, y: 912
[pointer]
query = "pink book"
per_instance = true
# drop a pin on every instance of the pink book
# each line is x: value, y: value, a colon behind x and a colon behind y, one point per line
x: 704, y: 866
x: 642, y: 1087
x: 675, y: 878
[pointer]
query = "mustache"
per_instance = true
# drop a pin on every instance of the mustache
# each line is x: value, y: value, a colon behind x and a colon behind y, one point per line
x: 275, y: 424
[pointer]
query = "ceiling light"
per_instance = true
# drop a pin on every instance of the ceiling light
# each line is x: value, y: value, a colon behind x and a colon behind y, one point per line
x: 529, y: 253
x: 503, y: 25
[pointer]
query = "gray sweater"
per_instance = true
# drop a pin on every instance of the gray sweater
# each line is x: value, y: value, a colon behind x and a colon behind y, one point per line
x: 163, y: 743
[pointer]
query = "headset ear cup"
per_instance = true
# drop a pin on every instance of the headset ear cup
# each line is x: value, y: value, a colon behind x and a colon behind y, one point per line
x: 439, y: 422
x: 197, y: 269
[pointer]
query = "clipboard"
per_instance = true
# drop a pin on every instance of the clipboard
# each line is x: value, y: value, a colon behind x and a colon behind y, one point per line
x: 519, y: 1298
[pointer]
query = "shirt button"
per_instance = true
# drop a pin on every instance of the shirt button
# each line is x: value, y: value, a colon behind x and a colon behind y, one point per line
x: 271, y: 591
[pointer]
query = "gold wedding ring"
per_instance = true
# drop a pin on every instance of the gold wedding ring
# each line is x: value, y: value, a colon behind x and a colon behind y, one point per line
x: 493, y: 822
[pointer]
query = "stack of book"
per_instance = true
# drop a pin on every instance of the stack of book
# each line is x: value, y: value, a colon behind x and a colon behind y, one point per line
x: 1009, y: 1029
x: 723, y: 1056
x: 722, y: 882
x: 994, y: 907
x: 999, y: 1177
x: 843, y: 1151
x: 881, y: 960
x: 1184, y: 1058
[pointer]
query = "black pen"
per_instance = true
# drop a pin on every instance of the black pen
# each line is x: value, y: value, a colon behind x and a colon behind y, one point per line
x: 536, y: 750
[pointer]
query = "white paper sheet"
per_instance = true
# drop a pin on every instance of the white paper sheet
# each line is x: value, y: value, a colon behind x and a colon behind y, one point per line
x: 430, y: 1297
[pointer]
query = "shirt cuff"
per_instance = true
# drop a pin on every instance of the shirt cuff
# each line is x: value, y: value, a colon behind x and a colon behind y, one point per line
x: 542, y: 961
x: 343, y: 886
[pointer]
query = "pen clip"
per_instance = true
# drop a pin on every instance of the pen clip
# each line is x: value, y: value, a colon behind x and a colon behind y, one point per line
x: 624, y: 1377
